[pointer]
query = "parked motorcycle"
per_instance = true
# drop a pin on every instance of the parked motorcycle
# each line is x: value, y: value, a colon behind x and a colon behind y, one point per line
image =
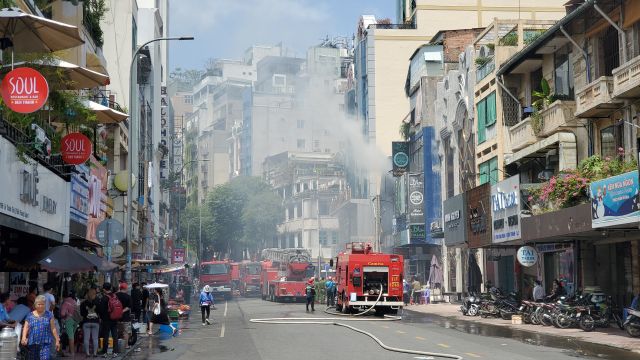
x: 471, y: 305
x: 601, y: 316
x: 632, y: 322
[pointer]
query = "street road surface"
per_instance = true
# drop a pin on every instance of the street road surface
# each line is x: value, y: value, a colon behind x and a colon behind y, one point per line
x: 233, y: 337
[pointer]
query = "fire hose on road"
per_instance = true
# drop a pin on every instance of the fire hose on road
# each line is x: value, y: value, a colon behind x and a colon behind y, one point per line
x: 336, y: 321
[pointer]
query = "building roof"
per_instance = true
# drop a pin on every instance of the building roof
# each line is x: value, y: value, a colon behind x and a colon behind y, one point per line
x: 544, y: 38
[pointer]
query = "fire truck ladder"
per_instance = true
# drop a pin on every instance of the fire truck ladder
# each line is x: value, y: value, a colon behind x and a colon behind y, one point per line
x: 286, y: 256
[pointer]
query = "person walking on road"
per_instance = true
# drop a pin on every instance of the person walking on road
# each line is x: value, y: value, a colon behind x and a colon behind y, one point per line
x: 109, y: 322
x: 159, y: 313
x: 90, y: 322
x: 39, y: 332
x: 124, y: 324
x: 136, y: 303
x: 416, y: 287
x: 206, y: 301
x: 311, y: 294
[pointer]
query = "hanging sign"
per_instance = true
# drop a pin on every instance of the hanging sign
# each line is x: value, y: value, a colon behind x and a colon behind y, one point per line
x: 24, y: 90
x: 527, y: 256
x: 76, y: 148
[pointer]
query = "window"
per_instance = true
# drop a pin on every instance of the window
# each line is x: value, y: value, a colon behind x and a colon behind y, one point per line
x: 610, y: 140
x: 489, y: 171
x: 610, y: 50
x: 334, y: 237
x: 316, y: 145
x: 486, y: 116
x: 301, y: 144
x: 188, y: 99
x: 563, y: 73
x: 323, y: 237
x: 300, y: 124
x: 279, y: 80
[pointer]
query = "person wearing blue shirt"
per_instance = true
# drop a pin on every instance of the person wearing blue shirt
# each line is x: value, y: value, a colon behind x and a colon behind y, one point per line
x: 330, y: 287
x: 18, y: 314
x: 206, y: 301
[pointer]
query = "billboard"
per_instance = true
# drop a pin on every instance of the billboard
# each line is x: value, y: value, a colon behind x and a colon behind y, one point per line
x: 505, y: 210
x: 416, y: 199
x: 614, y: 200
x: 400, y: 157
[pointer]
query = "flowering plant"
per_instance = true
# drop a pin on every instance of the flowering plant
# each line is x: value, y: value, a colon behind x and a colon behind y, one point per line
x: 571, y: 187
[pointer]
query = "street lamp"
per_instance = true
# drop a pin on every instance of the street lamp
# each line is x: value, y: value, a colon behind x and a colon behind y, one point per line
x: 133, y: 131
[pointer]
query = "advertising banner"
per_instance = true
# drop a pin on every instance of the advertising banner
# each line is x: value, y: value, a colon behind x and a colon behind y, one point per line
x: 24, y: 90
x: 400, y: 157
x: 455, y: 231
x: 164, y: 132
x: 505, y: 210
x: 80, y: 195
x: 416, y: 199
x: 97, y: 198
x: 614, y: 200
x: 178, y: 255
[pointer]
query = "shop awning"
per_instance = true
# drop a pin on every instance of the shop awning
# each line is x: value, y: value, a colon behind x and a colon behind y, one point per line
x: 105, y: 115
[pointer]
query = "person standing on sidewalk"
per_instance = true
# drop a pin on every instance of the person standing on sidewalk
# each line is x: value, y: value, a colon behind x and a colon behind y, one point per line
x: 124, y: 324
x: 69, y: 314
x: 146, y: 306
x: 136, y: 303
x: 329, y: 285
x: 538, y: 292
x: 416, y: 287
x: 206, y: 301
x: 311, y: 294
x: 108, y: 326
x: 90, y: 322
x: 40, y: 332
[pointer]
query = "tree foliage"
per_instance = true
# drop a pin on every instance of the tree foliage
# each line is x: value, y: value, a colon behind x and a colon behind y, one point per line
x: 238, y: 217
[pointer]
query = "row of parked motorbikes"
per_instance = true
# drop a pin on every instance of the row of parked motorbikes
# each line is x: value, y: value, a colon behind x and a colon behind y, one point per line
x: 586, y: 311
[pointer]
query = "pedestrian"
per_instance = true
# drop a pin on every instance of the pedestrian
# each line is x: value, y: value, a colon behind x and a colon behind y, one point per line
x: 40, y: 331
x: 124, y: 324
x: 538, y: 291
x: 145, y: 304
x: 70, y: 319
x: 416, y: 287
x: 557, y: 291
x: 329, y: 289
x: 136, y: 302
x: 109, y: 319
x: 18, y: 314
x: 406, y: 290
x: 206, y: 301
x: 160, y: 315
x: 90, y: 321
x: 311, y: 294
x: 31, y: 297
x: 5, y: 301
x: 49, y: 297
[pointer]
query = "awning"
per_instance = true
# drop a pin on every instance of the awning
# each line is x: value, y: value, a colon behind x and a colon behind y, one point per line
x: 78, y: 76
x: 106, y: 115
x: 564, y: 140
x: 548, y: 35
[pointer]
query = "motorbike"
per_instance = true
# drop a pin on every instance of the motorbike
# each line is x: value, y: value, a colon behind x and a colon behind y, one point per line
x: 471, y: 305
x: 601, y: 317
x: 499, y: 305
x: 632, y: 322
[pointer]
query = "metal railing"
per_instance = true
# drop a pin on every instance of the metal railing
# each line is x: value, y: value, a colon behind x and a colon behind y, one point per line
x: 485, y: 69
x: 393, y: 26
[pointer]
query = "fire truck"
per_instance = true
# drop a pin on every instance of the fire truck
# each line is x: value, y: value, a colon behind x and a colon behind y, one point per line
x: 368, y: 279
x: 217, y: 274
x: 284, y: 274
x: 249, y: 278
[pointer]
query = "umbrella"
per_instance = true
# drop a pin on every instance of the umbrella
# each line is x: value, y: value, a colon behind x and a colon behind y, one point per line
x: 156, y: 286
x: 29, y: 33
x: 69, y: 259
x: 474, y: 274
x: 106, y: 115
x: 436, y: 278
x: 80, y: 77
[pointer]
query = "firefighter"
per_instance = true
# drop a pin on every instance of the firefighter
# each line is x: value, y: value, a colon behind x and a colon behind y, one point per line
x: 330, y: 288
x: 311, y: 293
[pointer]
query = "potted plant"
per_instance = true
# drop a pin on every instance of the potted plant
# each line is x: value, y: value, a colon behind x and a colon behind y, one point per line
x: 542, y: 99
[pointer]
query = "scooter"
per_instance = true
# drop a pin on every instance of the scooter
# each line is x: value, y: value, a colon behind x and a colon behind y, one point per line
x: 632, y: 323
x: 470, y: 305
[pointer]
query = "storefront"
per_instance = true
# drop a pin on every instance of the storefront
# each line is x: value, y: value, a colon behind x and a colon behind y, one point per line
x: 478, y: 229
x: 34, y: 215
x: 455, y: 237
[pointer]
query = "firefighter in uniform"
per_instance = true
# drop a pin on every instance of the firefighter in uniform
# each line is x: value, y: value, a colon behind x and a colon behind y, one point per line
x: 311, y: 294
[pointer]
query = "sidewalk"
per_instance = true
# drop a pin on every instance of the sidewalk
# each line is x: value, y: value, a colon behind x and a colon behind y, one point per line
x: 611, y: 336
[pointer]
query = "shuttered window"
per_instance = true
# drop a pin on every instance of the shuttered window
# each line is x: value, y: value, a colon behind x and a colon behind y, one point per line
x: 491, y: 109
x: 482, y: 114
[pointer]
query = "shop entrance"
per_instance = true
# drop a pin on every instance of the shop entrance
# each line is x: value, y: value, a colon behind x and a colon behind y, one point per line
x: 559, y: 265
x: 506, y: 273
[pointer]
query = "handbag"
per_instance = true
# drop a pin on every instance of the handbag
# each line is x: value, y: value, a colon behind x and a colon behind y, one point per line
x: 156, y: 309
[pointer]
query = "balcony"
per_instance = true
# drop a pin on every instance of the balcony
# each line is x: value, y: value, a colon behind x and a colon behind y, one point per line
x: 485, y: 70
x: 626, y: 79
x: 522, y: 135
x: 557, y: 117
x: 594, y: 100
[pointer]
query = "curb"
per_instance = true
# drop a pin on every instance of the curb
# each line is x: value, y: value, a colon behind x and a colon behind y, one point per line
x: 526, y: 331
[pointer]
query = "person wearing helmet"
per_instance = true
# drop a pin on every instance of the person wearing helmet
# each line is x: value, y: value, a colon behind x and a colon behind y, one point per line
x: 206, y: 301
x: 311, y: 293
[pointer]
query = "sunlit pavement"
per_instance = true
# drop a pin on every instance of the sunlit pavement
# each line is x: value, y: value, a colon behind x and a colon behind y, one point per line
x: 448, y: 315
x: 233, y: 337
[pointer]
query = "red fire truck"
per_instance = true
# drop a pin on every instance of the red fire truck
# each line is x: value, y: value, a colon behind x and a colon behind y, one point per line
x: 249, y: 273
x: 217, y: 274
x: 362, y: 275
x: 284, y: 274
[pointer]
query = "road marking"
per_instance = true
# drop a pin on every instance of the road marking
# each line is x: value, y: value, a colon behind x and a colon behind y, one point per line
x: 400, y: 332
x: 420, y: 338
x: 225, y: 308
x: 222, y: 331
x: 473, y: 355
x: 385, y: 326
x: 444, y: 345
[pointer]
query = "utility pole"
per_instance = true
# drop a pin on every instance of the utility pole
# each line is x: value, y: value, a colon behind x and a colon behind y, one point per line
x: 318, y: 220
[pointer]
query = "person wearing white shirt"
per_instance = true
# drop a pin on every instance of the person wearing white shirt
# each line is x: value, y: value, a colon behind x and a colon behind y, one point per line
x: 538, y: 291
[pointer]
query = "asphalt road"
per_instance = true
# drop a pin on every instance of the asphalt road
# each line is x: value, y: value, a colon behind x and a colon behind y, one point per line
x: 233, y: 337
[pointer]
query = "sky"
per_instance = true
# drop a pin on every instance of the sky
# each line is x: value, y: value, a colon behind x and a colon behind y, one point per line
x: 225, y: 28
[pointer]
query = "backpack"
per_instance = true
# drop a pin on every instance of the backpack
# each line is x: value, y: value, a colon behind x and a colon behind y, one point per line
x: 115, y: 308
x: 311, y: 290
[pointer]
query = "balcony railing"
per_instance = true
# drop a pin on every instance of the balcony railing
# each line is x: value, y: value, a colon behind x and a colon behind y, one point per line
x: 485, y: 70
x: 626, y: 79
x: 557, y: 117
x: 522, y: 135
x: 393, y: 26
x: 594, y: 100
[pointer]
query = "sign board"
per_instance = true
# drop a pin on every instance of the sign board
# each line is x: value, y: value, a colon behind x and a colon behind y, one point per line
x: 416, y: 199
x: 97, y: 197
x: 527, y: 256
x: 400, y: 157
x: 24, y: 90
x: 454, y: 220
x: 117, y: 251
x: 75, y: 148
x: 164, y: 132
x: 178, y: 255
x: 479, y: 216
x: 80, y: 196
x: 505, y: 210
x: 110, y: 232
x: 32, y: 193
x: 614, y: 200
x: 417, y: 231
